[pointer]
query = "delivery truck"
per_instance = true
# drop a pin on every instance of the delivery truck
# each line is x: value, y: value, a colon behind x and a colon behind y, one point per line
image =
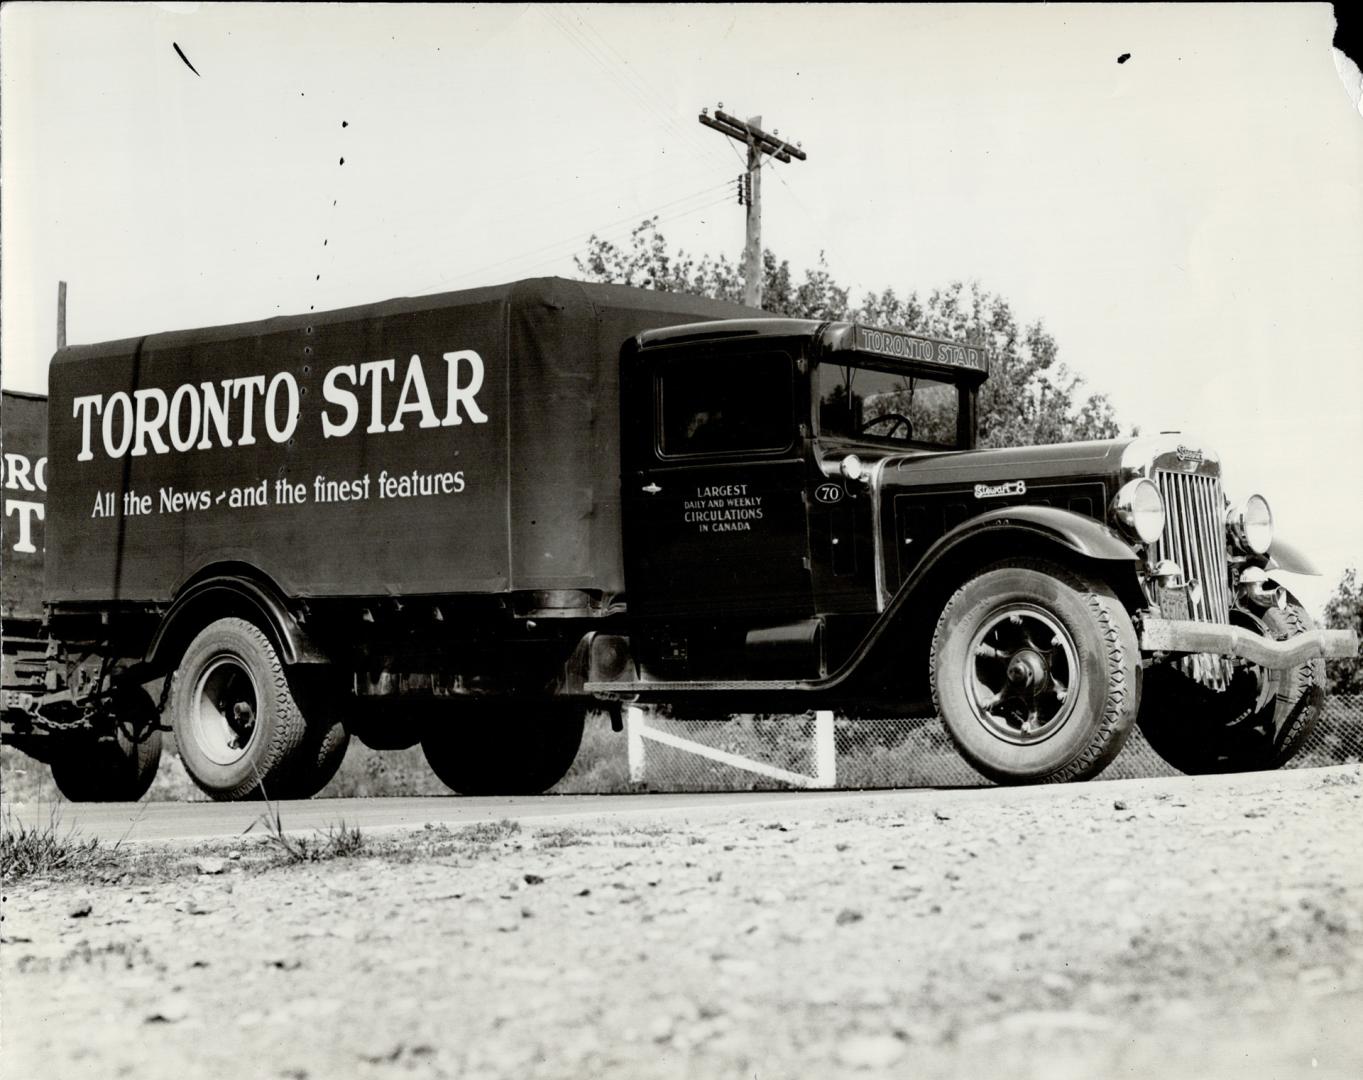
x: 466, y: 520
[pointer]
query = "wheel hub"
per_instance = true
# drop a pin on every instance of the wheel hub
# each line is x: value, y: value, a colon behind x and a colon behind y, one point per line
x: 1027, y: 670
x: 1024, y: 671
x: 223, y: 714
x: 241, y: 718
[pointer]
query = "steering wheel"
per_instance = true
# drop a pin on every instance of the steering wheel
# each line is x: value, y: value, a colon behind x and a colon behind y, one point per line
x: 894, y: 419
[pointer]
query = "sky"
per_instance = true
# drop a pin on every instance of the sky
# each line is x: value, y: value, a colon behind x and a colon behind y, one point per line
x: 1187, y: 222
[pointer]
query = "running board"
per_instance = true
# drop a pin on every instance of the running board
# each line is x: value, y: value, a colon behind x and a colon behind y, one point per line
x: 759, y: 685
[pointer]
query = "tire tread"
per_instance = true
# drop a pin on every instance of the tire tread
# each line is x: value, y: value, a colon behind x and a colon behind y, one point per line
x: 287, y: 731
x: 1119, y: 646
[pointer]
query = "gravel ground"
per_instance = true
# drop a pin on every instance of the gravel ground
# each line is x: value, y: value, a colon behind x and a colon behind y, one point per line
x: 1170, y: 928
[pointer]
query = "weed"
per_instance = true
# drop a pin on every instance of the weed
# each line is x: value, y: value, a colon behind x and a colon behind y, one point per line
x: 641, y: 836
x: 34, y: 850
x: 340, y: 841
x: 344, y: 841
x: 560, y: 838
x: 648, y: 828
x: 491, y: 832
x: 440, y: 841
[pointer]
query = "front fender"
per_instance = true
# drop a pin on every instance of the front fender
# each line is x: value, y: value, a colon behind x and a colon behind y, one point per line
x: 1080, y: 534
x: 1284, y: 556
x: 1023, y: 531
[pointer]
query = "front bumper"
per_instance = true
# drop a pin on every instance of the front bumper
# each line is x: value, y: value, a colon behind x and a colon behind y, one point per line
x: 1186, y: 636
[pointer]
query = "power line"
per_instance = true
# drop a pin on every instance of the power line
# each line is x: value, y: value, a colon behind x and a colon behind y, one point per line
x: 421, y: 235
x: 608, y: 231
x: 570, y: 251
x: 664, y: 108
x: 621, y: 75
x: 619, y: 72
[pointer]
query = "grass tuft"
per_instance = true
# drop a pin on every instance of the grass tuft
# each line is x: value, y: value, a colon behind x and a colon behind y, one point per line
x: 340, y: 841
x: 491, y: 832
x: 45, y: 850
x: 560, y: 838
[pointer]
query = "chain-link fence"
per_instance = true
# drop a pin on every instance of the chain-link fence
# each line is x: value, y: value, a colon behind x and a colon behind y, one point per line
x: 897, y: 753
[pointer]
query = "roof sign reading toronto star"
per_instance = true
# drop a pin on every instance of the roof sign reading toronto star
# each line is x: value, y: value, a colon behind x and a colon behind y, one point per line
x: 899, y: 345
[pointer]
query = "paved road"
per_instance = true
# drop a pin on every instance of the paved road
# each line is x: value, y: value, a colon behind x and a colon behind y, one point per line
x: 162, y: 821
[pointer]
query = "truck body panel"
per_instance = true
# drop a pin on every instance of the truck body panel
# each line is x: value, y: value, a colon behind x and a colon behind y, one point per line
x: 461, y: 443
x: 23, y: 441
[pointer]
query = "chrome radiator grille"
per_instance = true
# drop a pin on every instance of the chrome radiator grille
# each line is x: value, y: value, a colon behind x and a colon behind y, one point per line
x: 1195, y: 538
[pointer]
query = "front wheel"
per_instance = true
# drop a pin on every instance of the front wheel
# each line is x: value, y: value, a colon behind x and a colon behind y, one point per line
x: 1259, y: 721
x: 237, y: 724
x: 505, y: 748
x: 1036, y: 674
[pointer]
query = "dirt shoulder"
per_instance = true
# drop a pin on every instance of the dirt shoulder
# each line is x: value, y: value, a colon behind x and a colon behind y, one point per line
x: 1189, y: 928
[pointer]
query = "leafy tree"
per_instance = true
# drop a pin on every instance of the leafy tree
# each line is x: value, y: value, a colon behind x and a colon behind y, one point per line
x: 1344, y: 611
x: 1030, y: 397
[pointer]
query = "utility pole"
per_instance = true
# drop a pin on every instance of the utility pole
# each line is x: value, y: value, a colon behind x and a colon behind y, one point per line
x: 749, y: 132
x: 61, y: 314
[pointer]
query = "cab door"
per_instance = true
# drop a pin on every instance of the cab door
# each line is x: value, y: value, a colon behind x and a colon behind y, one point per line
x: 714, y: 499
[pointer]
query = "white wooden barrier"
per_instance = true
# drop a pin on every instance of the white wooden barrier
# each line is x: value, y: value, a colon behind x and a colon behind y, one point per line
x: 638, y: 732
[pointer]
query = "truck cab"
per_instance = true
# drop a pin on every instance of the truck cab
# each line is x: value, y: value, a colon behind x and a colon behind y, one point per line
x: 808, y: 523
x: 751, y: 450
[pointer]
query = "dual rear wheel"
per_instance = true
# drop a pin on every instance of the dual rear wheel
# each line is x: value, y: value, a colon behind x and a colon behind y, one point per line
x: 248, y: 725
x: 122, y: 764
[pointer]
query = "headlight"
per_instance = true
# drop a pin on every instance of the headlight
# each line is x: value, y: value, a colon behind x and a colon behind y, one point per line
x: 1140, y: 509
x: 1251, y: 525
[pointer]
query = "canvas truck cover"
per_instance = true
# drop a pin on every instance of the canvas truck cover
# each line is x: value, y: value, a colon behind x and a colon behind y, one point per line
x: 460, y: 443
x: 23, y: 481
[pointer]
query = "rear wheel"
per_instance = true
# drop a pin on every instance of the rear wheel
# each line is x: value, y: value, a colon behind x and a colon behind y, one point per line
x: 504, y: 748
x: 121, y: 766
x: 1036, y: 673
x: 326, y: 707
x: 1258, y: 722
x: 237, y: 723
x: 319, y: 761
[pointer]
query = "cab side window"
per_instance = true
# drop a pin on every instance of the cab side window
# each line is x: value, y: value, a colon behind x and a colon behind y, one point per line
x: 724, y: 404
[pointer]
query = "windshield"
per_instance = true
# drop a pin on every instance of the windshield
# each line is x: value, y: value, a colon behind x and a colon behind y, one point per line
x: 893, y: 406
